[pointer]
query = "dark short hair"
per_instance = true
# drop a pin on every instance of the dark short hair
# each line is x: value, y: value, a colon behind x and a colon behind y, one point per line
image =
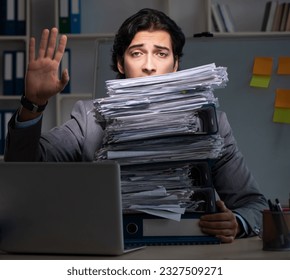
x: 145, y: 19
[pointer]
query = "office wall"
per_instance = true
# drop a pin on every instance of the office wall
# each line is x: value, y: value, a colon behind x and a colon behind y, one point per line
x: 42, y: 15
x: 265, y: 144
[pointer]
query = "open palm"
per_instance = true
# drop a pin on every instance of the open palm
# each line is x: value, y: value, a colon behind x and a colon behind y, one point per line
x: 42, y: 76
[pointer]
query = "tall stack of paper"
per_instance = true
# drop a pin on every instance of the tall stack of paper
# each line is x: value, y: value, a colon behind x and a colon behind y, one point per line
x: 163, y: 131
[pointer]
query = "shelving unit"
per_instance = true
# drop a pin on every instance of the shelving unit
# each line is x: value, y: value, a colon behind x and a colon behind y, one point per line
x: 13, y: 43
x: 247, y: 18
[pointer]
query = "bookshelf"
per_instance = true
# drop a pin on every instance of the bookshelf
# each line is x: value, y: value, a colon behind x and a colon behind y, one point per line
x: 12, y: 39
x: 247, y: 17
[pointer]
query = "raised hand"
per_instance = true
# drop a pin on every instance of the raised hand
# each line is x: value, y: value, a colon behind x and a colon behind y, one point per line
x: 42, y: 76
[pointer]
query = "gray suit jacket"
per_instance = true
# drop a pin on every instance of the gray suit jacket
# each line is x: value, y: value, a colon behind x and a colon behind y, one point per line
x: 82, y: 135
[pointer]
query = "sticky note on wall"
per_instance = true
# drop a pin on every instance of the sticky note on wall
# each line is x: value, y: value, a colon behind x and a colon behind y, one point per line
x: 262, y: 71
x: 282, y: 106
x: 282, y: 98
x: 263, y: 66
x: 283, y: 65
x: 281, y: 115
x: 260, y: 81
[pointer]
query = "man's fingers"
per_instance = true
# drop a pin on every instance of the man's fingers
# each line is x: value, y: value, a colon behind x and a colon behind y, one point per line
x: 61, y: 48
x: 31, y: 49
x: 223, y: 215
x: 217, y: 224
x: 43, y: 43
x: 64, y: 79
x: 221, y: 206
x: 51, y: 43
x: 225, y: 239
x: 225, y: 235
x: 47, y: 43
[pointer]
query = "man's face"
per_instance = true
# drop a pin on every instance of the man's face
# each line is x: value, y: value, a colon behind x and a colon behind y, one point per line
x: 150, y: 53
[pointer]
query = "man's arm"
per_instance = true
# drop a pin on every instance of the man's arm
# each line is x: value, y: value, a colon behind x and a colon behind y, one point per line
x: 76, y: 140
x: 234, y: 182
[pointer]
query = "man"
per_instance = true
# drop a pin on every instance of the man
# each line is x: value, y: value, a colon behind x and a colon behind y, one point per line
x: 147, y: 43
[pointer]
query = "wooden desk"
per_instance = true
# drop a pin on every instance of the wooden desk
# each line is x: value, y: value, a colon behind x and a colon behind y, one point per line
x: 242, y: 249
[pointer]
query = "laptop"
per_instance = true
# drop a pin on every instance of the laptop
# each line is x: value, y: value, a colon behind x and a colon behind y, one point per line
x: 61, y: 208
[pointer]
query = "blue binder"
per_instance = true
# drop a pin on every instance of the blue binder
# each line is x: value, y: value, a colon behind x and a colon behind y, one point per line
x: 8, y: 72
x: 19, y: 72
x: 75, y: 16
x: 1, y: 134
x: 9, y: 23
x: 148, y: 230
x: 2, y: 16
x: 20, y: 22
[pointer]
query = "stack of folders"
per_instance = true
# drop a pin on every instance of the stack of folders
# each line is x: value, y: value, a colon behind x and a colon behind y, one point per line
x: 70, y: 16
x: 13, y: 72
x: 12, y: 17
x: 163, y: 131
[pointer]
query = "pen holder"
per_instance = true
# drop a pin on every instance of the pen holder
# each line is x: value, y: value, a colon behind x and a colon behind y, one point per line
x: 276, y: 230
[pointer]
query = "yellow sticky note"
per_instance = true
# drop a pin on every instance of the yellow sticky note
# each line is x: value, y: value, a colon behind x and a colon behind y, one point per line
x: 283, y: 65
x: 263, y: 66
x: 281, y: 115
x: 282, y: 98
x: 260, y: 81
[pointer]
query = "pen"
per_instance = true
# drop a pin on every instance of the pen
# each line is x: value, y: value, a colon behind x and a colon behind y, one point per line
x: 271, y: 206
x: 278, y: 205
x: 283, y: 229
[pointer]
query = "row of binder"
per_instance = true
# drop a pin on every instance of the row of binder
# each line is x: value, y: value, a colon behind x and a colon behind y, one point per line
x: 70, y: 16
x: 13, y: 17
x: 5, y: 116
x: 13, y: 72
x: 198, y: 121
x: 142, y: 229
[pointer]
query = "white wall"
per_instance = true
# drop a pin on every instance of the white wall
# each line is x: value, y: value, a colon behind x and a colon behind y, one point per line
x: 42, y: 15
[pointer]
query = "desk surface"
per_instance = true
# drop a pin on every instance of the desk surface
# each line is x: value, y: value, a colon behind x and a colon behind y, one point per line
x: 242, y: 249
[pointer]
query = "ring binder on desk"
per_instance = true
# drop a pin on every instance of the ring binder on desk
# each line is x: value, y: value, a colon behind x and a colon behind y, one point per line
x: 142, y: 229
x: 148, y: 230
